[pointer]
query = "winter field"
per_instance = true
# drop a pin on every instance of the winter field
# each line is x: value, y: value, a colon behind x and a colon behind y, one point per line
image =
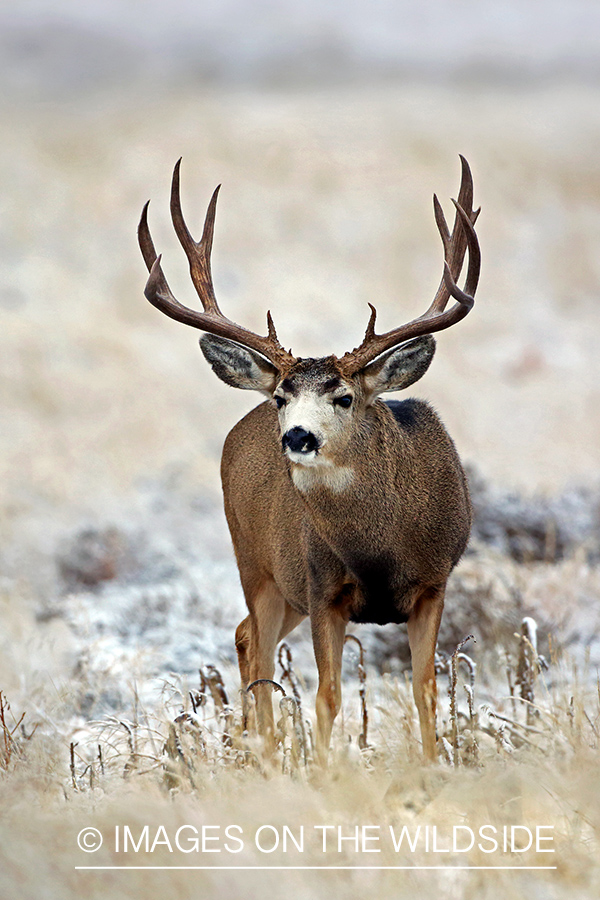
x: 119, y: 582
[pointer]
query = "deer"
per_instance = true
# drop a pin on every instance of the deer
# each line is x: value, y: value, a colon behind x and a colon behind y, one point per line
x: 342, y: 507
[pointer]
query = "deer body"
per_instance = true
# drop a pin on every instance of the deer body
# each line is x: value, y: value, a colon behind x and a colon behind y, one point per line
x: 373, y: 549
x: 387, y: 531
x: 341, y: 507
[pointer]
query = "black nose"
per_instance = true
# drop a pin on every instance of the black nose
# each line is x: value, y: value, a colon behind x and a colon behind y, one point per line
x: 299, y: 440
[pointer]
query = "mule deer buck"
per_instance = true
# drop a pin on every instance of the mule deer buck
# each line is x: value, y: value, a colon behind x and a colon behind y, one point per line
x: 341, y: 507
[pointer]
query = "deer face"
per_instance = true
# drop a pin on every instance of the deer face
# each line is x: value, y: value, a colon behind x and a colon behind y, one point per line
x: 319, y: 404
x: 316, y: 405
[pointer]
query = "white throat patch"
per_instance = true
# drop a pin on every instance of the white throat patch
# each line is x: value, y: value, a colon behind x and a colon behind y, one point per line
x: 328, y: 475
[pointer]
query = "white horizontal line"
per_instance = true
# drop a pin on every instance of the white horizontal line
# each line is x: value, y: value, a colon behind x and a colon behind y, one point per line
x: 297, y: 868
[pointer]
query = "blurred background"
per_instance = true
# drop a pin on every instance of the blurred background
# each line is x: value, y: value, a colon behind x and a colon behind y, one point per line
x: 329, y: 125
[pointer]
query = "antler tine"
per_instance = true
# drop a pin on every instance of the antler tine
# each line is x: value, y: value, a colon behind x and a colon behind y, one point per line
x: 436, y: 317
x: 467, y: 295
x: 212, y: 320
x: 455, y: 244
x: 157, y: 289
x: 197, y: 252
x: 145, y: 238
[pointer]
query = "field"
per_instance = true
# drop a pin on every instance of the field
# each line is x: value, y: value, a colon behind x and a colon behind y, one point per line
x: 118, y: 580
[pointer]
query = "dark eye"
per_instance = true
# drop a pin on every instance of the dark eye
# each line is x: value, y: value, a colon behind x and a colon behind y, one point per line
x: 344, y: 401
x: 280, y: 402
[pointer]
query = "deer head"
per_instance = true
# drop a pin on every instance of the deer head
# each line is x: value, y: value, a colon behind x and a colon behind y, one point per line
x: 318, y: 400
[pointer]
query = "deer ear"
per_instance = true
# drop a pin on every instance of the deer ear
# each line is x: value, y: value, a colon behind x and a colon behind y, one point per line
x: 238, y: 366
x: 399, y: 368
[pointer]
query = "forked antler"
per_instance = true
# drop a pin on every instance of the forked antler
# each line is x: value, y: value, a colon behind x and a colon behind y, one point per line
x: 436, y: 318
x: 212, y: 320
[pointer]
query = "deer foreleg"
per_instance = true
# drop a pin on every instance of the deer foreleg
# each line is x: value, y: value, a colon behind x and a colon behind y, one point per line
x: 256, y: 639
x: 423, y: 626
x: 328, y: 630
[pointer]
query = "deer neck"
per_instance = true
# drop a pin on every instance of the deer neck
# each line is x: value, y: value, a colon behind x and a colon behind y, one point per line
x: 328, y: 477
x: 347, y: 486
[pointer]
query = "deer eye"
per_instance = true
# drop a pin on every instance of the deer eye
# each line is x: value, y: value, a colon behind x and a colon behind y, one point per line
x: 344, y: 401
x: 280, y: 402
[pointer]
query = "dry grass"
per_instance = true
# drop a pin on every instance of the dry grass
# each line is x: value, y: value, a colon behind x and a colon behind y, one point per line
x: 535, y: 764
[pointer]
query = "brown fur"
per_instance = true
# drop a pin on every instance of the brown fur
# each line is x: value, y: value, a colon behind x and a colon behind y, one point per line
x: 379, y: 551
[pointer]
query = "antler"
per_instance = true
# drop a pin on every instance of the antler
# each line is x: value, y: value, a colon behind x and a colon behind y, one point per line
x: 436, y: 318
x: 212, y: 320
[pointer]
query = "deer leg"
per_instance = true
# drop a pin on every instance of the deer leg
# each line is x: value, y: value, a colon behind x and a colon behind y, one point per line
x: 243, y: 635
x: 266, y: 620
x: 328, y: 630
x: 243, y: 644
x: 256, y: 638
x: 423, y: 626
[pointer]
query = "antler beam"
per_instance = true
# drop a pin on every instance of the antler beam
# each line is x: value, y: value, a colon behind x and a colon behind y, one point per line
x: 212, y: 320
